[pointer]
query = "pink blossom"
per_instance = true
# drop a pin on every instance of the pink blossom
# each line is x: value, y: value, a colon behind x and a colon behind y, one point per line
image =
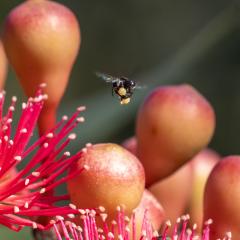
x: 22, y: 195
x: 125, y: 229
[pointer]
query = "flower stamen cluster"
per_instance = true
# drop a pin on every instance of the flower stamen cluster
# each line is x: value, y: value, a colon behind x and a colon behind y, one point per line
x: 22, y: 193
x: 124, y: 228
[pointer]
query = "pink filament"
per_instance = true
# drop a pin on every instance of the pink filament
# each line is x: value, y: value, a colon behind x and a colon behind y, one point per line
x: 22, y: 194
x: 89, y: 229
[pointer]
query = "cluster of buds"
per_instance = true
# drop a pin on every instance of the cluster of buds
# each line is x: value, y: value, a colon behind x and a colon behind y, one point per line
x: 41, y: 39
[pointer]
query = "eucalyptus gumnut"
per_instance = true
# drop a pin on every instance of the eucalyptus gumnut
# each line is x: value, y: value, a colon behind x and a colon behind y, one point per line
x: 171, y: 193
x: 115, y: 178
x: 131, y: 145
x: 173, y: 124
x: 3, y: 66
x: 42, y: 39
x: 222, y: 197
x: 202, y: 164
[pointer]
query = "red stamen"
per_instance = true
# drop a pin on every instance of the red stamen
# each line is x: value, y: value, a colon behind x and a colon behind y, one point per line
x: 21, y: 195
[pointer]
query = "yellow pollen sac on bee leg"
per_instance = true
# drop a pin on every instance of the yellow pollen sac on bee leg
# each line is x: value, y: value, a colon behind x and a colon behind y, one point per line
x: 125, y: 101
x: 122, y: 91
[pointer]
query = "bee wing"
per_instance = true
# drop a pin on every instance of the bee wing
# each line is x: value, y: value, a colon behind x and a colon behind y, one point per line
x: 106, y: 77
x: 140, y: 86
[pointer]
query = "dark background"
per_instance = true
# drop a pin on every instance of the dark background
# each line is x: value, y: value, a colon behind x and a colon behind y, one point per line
x: 155, y: 42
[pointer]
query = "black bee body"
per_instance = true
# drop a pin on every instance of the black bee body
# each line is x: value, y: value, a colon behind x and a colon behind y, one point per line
x: 123, y: 87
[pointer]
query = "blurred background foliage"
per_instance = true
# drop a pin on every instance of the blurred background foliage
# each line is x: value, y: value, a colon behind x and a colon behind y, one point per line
x: 155, y: 42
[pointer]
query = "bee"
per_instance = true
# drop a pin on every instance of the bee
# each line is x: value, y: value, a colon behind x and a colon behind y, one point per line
x: 122, y: 87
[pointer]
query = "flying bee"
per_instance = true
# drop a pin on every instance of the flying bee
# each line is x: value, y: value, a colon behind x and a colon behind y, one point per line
x: 123, y: 87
